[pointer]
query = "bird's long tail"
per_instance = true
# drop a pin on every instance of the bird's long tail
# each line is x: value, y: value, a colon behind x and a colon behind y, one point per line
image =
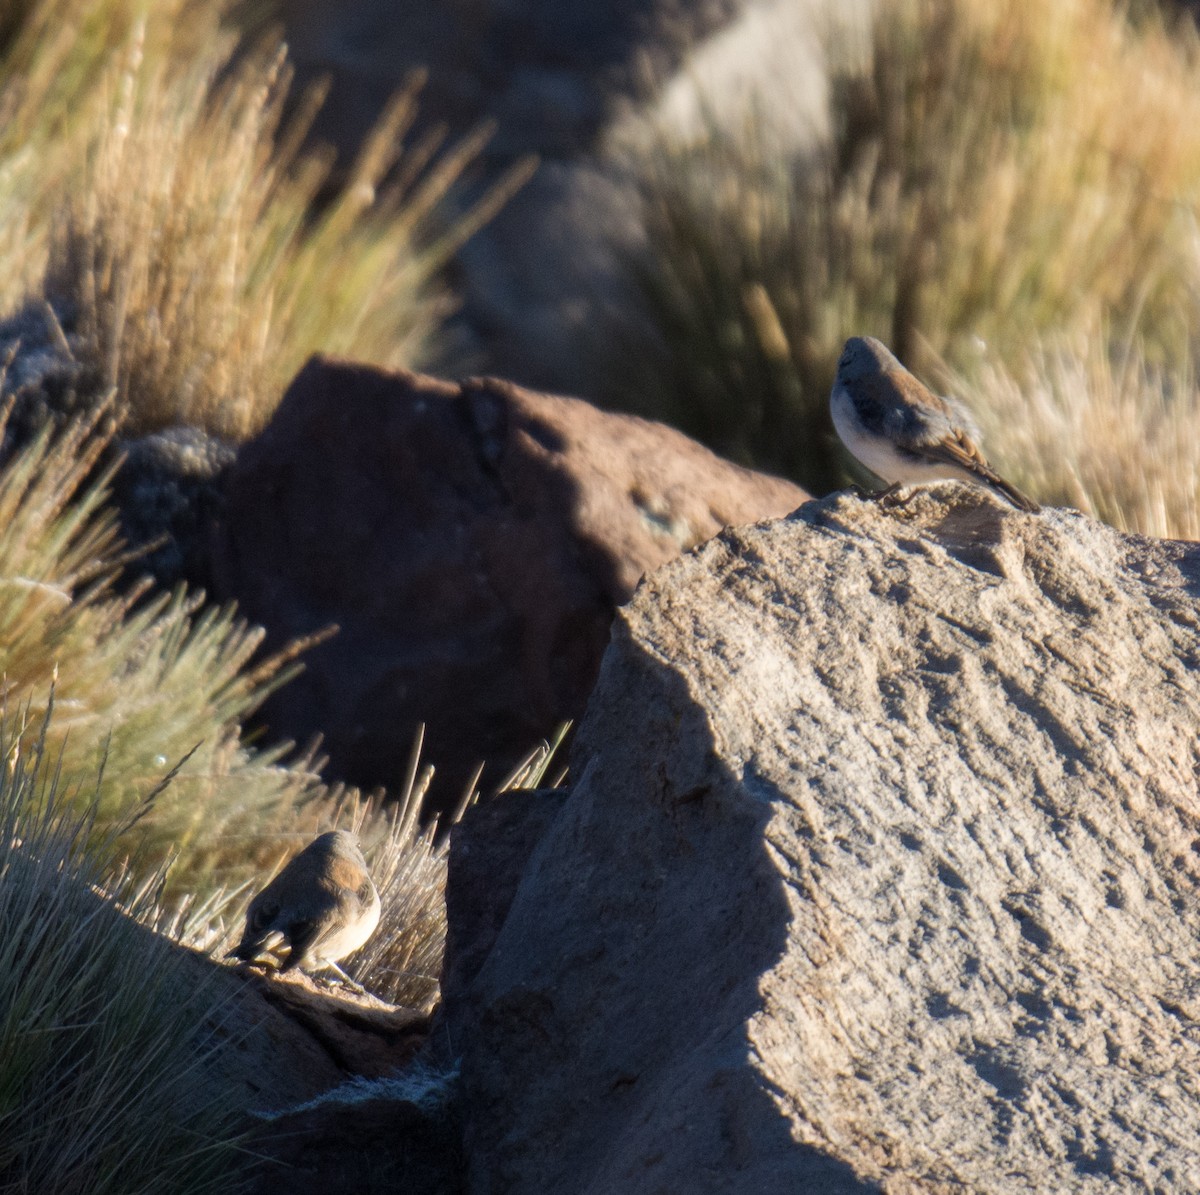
x: 1014, y: 495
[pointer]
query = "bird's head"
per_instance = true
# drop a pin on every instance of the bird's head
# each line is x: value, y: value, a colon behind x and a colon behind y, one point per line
x: 864, y: 356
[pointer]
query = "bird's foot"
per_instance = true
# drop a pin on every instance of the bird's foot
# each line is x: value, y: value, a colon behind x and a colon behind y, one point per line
x: 344, y: 980
x: 897, y: 494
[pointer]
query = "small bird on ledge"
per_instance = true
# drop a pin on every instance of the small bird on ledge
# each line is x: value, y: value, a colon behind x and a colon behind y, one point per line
x: 899, y: 429
x: 321, y: 907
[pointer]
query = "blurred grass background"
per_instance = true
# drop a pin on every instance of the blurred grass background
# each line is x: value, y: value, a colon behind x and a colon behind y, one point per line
x: 1001, y: 180
x: 1008, y: 197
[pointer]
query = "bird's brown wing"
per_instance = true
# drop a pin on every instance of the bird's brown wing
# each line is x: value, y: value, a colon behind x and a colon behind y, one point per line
x: 308, y: 932
x: 902, y: 409
x: 961, y: 450
x: 302, y: 934
x: 899, y: 406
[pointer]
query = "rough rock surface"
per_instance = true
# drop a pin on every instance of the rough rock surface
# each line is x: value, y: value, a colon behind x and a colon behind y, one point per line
x: 170, y: 495
x: 168, y: 489
x: 41, y: 373
x: 327, y: 1083
x: 880, y: 870
x: 489, y: 849
x: 360, y: 1036
x: 397, y: 1134
x: 470, y: 540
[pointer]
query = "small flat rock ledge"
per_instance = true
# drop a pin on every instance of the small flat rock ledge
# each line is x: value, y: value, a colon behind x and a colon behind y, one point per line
x: 879, y: 872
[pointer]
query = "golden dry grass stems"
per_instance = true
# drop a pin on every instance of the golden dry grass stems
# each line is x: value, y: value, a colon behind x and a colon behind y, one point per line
x: 177, y: 216
x: 1046, y: 167
x: 998, y: 169
x: 53, y: 57
x: 402, y: 962
x: 1104, y: 432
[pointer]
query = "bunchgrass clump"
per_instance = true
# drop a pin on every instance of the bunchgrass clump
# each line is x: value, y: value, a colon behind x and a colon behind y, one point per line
x: 54, y: 55
x: 103, y: 1080
x: 995, y: 171
x: 142, y: 683
x: 200, y: 250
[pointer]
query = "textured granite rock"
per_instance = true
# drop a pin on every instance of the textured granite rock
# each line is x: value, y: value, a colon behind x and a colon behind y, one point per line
x: 170, y: 495
x: 879, y: 870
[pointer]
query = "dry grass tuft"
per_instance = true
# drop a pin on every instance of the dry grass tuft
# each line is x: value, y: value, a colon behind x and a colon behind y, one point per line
x: 101, y: 1087
x: 141, y: 685
x: 203, y: 252
x: 53, y: 57
x: 403, y: 961
x: 1108, y: 434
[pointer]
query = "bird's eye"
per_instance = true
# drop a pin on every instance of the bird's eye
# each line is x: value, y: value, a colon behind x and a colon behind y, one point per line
x: 263, y: 915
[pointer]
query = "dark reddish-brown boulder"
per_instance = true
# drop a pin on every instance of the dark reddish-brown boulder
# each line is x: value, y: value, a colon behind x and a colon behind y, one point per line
x: 471, y: 540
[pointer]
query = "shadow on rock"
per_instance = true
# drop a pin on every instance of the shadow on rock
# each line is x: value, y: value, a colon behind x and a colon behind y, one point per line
x: 602, y: 1015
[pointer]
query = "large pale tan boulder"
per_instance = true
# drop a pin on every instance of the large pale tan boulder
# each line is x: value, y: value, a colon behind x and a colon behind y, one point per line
x: 880, y: 870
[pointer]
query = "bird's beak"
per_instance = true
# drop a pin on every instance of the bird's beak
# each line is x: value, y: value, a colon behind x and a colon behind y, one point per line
x: 268, y: 949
